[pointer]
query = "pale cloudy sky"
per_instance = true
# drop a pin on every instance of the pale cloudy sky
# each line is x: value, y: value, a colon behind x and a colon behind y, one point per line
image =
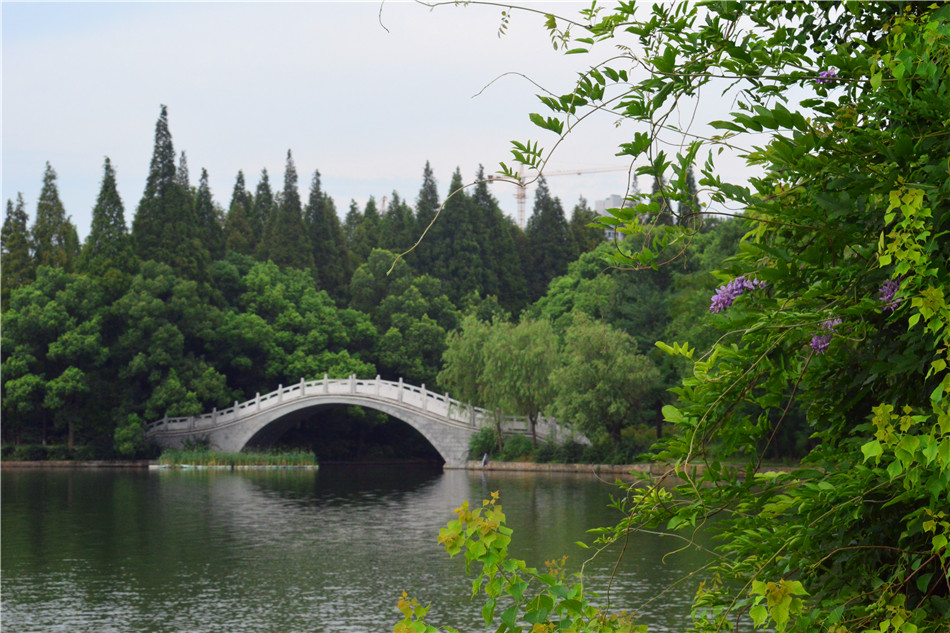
x: 364, y: 92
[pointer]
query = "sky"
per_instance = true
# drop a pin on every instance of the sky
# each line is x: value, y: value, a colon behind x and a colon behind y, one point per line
x: 364, y: 92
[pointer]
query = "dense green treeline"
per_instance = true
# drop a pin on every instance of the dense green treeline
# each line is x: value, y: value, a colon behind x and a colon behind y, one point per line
x: 197, y: 307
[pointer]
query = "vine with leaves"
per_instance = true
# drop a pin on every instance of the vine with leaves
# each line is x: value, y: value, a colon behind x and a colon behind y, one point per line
x: 837, y: 304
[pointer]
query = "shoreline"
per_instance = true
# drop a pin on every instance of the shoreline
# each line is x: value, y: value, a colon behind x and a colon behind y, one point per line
x: 67, y: 463
x: 649, y: 468
x: 652, y: 469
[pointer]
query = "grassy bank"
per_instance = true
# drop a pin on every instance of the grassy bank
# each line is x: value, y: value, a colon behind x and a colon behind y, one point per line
x: 197, y: 457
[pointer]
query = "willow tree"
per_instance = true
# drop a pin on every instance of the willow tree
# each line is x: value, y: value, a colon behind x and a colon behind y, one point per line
x: 837, y: 304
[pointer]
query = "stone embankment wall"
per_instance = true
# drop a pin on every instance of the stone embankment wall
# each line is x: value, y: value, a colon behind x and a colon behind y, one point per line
x: 77, y: 464
x: 652, y: 469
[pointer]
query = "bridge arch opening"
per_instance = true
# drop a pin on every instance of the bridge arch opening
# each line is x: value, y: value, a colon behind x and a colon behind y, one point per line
x: 348, y: 433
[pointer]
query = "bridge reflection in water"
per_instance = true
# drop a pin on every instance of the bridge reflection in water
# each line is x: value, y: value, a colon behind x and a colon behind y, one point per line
x: 446, y: 423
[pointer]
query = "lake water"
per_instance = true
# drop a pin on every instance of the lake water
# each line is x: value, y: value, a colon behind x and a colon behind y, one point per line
x: 294, y: 551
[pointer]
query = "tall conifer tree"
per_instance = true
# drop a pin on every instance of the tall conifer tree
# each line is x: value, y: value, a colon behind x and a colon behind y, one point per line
x: 264, y: 203
x: 55, y: 241
x: 366, y: 235
x: 550, y: 242
x: 209, y: 218
x: 181, y: 174
x: 285, y: 238
x: 397, y: 227
x: 327, y: 241
x: 109, y: 244
x: 164, y: 228
x: 239, y: 234
x: 452, y: 244
x: 16, y: 258
x: 503, y: 274
x: 351, y: 224
x: 427, y: 205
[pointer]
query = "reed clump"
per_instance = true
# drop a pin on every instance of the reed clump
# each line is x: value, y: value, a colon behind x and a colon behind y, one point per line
x: 204, y: 457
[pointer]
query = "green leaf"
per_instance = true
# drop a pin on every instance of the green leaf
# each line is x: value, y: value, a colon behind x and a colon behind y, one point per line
x: 510, y: 615
x: 872, y: 449
x: 759, y: 614
x: 488, y: 611
x: 894, y: 469
x: 672, y: 414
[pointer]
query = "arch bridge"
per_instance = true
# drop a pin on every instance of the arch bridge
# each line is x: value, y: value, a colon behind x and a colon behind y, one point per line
x: 446, y: 423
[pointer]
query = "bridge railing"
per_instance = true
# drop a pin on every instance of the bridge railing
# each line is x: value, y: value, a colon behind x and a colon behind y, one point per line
x: 452, y: 411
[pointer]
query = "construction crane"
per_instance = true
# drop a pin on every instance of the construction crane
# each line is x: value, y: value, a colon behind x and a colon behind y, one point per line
x: 521, y: 192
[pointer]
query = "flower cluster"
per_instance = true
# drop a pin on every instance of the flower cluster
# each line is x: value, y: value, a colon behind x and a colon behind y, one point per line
x: 826, y: 77
x: 727, y: 293
x: 886, y: 294
x: 820, y: 342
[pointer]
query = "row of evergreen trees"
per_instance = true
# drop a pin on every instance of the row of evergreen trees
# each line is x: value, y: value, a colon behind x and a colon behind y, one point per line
x: 198, y: 306
x: 473, y: 248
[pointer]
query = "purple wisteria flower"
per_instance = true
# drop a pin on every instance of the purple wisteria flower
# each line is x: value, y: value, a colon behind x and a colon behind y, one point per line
x: 826, y: 77
x: 886, y: 294
x: 727, y: 293
x: 820, y: 342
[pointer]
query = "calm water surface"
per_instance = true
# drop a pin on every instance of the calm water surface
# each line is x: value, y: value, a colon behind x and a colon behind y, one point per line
x: 288, y: 551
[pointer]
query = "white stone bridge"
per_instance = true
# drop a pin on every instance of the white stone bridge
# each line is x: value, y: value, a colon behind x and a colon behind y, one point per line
x: 446, y: 423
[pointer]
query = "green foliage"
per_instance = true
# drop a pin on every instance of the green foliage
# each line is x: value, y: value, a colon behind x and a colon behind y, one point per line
x: 53, y: 237
x: 517, y: 448
x: 264, y: 205
x: 551, y: 244
x: 519, y: 362
x: 327, y: 241
x: 397, y: 226
x: 204, y: 457
x: 452, y: 244
x: 464, y: 362
x: 16, y: 259
x: 209, y: 218
x: 240, y: 235
x: 109, y: 245
x: 165, y: 228
x: 844, y: 108
x: 515, y: 594
x: 588, y: 235
x: 485, y: 440
x: 129, y: 437
x: 501, y: 273
x: 411, y: 313
x: 604, y: 385
x: 285, y: 240
x: 363, y: 235
x: 427, y: 205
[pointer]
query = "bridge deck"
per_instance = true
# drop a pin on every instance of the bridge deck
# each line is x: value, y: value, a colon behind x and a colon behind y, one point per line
x: 447, y: 410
